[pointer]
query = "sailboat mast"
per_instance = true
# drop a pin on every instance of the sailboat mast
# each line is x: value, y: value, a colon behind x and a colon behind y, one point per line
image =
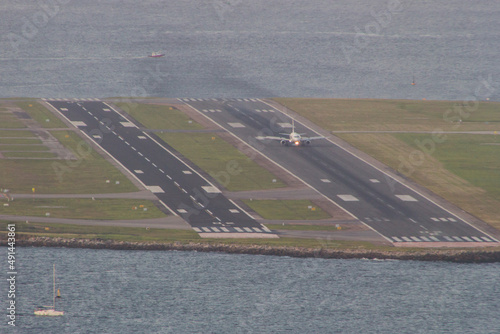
x: 54, y: 287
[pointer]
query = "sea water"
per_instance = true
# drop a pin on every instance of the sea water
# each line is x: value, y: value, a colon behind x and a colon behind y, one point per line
x: 115, y: 291
x: 236, y: 48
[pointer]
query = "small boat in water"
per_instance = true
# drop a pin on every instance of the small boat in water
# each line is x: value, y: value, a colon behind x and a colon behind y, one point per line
x: 156, y: 55
x: 51, y: 309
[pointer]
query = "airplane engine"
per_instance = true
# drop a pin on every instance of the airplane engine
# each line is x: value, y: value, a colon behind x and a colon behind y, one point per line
x: 284, y: 142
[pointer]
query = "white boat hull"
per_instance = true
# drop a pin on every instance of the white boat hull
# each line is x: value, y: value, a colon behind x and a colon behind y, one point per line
x: 49, y: 312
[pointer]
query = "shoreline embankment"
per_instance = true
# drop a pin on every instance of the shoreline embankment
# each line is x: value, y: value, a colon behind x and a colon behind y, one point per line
x: 447, y: 255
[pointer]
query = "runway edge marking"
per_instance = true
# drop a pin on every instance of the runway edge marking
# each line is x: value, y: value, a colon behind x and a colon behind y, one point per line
x: 114, y: 159
x: 385, y: 173
x: 277, y: 164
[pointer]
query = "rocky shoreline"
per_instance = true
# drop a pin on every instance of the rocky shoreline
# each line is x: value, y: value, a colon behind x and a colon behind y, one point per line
x: 449, y: 255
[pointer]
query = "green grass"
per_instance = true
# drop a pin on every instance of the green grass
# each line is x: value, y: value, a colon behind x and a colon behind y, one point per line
x: 286, y: 209
x: 396, y: 115
x: 88, y: 174
x: 228, y: 166
x: 20, y: 141
x: 475, y: 158
x: 31, y: 155
x: 9, y: 121
x: 83, y: 208
x: 302, y: 227
x: 41, y: 114
x: 23, y: 147
x: 117, y: 233
x: 17, y: 134
x: 154, y: 116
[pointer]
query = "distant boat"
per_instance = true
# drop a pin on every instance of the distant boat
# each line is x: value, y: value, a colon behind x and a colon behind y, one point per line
x: 51, y: 309
x: 156, y: 55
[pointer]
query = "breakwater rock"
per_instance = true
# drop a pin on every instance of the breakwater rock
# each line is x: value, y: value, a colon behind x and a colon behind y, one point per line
x: 451, y: 255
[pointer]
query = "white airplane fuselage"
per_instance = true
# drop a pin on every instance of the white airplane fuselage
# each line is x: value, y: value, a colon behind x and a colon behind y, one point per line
x: 295, y: 139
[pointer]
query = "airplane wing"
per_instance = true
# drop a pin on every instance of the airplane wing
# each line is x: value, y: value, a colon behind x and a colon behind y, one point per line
x: 271, y: 137
x: 312, y: 138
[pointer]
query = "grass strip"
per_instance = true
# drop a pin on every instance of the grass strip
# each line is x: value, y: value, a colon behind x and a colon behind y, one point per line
x: 42, y: 115
x: 20, y: 141
x: 154, y: 116
x: 30, y: 155
x: 302, y: 227
x: 86, y: 175
x: 228, y: 166
x: 17, y: 134
x: 83, y: 208
x: 396, y: 115
x: 287, y: 209
x: 23, y: 147
x: 10, y: 121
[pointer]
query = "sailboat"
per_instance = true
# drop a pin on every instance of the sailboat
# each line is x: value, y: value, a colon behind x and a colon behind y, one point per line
x: 51, y: 309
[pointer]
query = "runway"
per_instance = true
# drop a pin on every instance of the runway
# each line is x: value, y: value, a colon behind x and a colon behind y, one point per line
x: 397, y: 212
x: 179, y: 186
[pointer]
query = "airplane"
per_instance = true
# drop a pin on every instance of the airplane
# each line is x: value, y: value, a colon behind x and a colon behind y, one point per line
x: 294, y: 138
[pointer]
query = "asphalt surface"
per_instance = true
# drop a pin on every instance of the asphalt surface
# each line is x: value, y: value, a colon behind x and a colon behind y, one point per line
x: 178, y: 186
x: 395, y: 211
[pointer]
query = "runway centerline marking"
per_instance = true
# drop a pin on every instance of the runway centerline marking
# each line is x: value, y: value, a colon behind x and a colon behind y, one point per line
x: 211, y: 189
x: 236, y: 125
x: 78, y: 123
x: 406, y: 198
x: 155, y: 189
x: 128, y: 124
x: 348, y: 198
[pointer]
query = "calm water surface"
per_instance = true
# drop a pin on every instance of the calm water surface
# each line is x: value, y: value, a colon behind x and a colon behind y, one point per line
x: 236, y: 48
x: 189, y: 292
